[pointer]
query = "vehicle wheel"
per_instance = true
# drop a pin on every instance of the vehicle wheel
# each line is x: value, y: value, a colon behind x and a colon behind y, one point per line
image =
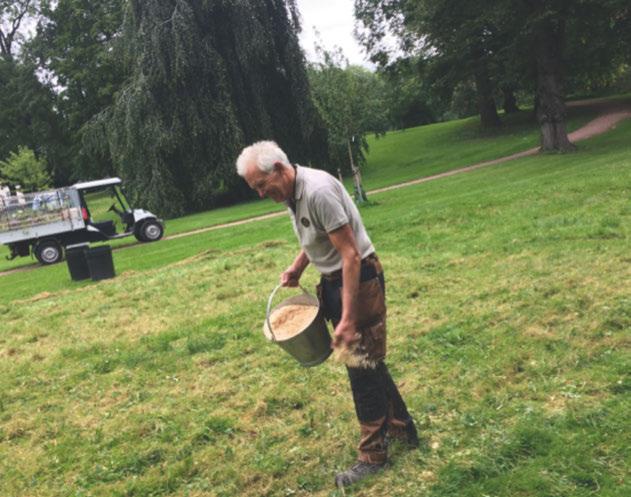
x: 150, y: 231
x: 138, y: 232
x: 48, y: 252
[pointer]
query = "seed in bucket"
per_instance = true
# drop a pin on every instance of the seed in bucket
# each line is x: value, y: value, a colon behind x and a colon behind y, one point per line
x: 289, y: 320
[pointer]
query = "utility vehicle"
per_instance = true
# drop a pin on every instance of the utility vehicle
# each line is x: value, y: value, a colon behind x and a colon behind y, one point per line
x: 45, y: 223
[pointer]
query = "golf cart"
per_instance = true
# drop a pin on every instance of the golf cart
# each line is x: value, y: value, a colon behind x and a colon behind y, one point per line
x: 44, y: 223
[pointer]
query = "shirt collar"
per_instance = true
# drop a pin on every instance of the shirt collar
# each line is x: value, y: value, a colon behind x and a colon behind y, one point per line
x: 300, y: 182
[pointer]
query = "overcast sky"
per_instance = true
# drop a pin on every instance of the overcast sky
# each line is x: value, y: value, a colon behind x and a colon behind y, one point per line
x: 334, y: 20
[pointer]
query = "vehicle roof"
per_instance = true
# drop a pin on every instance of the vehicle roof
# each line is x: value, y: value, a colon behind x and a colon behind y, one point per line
x: 95, y: 184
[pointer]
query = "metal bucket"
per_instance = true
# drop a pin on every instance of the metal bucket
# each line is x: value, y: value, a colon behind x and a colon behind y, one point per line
x: 312, y: 345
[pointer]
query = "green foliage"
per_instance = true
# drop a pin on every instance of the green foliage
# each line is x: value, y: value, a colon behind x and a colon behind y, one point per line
x: 458, y: 37
x: 408, y: 97
x: 503, y: 48
x: 351, y: 102
x: 75, y: 45
x: 206, y: 78
x: 463, y: 100
x: 24, y: 169
x: 595, y: 61
x: 13, y: 14
x: 27, y: 117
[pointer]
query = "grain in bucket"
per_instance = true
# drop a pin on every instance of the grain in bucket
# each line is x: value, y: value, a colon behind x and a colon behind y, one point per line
x: 297, y: 325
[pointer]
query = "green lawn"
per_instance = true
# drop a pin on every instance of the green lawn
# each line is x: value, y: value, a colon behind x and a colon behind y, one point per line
x: 399, y: 156
x: 509, y: 314
x: 417, y: 152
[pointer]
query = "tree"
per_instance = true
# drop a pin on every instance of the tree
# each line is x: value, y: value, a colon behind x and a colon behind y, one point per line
x: 24, y: 169
x: 75, y: 47
x: 27, y: 116
x: 548, y: 31
x: 558, y: 28
x: 499, y: 43
x: 597, y: 45
x: 409, y: 99
x: 351, y: 101
x: 452, y: 31
x: 12, y: 15
x: 206, y: 78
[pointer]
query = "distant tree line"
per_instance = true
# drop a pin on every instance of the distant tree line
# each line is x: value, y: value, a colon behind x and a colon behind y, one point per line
x: 500, y: 49
x: 165, y: 92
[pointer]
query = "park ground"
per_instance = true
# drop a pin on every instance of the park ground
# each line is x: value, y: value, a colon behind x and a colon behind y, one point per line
x: 509, y: 318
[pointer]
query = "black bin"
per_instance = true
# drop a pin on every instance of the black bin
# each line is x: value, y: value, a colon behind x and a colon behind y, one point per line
x: 100, y: 262
x: 77, y: 262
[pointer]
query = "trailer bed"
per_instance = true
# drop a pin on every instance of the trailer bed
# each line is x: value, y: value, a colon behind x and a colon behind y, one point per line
x: 39, y: 215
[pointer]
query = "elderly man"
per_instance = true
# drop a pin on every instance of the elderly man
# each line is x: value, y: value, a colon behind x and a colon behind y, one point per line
x: 351, y: 291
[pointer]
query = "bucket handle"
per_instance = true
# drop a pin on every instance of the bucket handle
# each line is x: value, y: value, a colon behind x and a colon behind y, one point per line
x: 269, y: 306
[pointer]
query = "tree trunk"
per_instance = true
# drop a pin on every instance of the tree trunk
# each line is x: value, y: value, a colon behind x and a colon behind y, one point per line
x: 360, y: 194
x: 486, y: 102
x: 510, y: 102
x: 551, y: 110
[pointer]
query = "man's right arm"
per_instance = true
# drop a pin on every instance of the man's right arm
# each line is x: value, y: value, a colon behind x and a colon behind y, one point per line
x: 291, y: 276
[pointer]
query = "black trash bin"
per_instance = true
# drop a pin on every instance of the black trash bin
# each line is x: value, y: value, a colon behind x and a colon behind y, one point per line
x: 77, y: 262
x: 100, y: 262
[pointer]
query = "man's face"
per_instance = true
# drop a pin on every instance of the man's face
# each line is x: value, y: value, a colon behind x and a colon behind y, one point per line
x: 273, y: 185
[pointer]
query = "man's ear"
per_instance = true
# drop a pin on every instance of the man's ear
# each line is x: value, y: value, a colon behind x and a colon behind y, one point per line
x: 278, y: 167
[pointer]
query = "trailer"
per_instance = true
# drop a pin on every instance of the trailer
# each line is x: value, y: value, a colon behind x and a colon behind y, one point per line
x: 45, y: 223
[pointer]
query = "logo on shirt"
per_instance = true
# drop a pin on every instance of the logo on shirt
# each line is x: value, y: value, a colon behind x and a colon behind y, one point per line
x: 305, y: 222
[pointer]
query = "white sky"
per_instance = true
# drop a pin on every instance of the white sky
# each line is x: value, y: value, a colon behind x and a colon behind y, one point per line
x: 334, y: 21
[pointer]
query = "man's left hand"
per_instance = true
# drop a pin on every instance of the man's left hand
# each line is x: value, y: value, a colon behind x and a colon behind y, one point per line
x: 345, y: 334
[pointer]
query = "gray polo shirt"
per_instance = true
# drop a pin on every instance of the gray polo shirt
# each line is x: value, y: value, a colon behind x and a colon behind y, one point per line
x: 323, y: 205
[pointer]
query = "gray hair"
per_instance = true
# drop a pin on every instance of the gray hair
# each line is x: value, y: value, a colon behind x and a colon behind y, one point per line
x: 264, y: 154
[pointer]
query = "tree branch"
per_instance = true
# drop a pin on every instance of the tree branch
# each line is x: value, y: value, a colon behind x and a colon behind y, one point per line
x: 6, y: 39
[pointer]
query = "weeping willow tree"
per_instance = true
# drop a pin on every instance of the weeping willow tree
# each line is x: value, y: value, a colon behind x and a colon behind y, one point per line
x: 206, y: 78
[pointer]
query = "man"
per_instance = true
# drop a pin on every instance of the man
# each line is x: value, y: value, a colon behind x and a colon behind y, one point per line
x: 351, y: 292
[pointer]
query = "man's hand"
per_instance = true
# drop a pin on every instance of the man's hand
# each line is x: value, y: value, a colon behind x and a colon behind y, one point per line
x: 290, y: 277
x: 345, y: 334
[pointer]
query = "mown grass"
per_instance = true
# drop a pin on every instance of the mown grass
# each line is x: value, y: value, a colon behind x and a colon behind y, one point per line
x: 399, y: 156
x: 509, y: 314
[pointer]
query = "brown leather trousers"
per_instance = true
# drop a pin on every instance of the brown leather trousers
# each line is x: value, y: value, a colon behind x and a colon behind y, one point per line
x: 378, y: 403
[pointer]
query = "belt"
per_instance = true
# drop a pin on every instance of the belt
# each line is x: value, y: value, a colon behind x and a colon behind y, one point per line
x: 367, y: 271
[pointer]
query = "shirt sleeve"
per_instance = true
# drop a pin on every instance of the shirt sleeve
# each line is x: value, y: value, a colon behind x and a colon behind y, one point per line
x: 328, y: 209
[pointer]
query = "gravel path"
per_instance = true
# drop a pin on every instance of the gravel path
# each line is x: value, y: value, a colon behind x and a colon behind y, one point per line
x: 612, y: 112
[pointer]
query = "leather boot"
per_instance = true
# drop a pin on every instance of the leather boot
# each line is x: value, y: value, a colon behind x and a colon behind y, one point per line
x: 357, y: 472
